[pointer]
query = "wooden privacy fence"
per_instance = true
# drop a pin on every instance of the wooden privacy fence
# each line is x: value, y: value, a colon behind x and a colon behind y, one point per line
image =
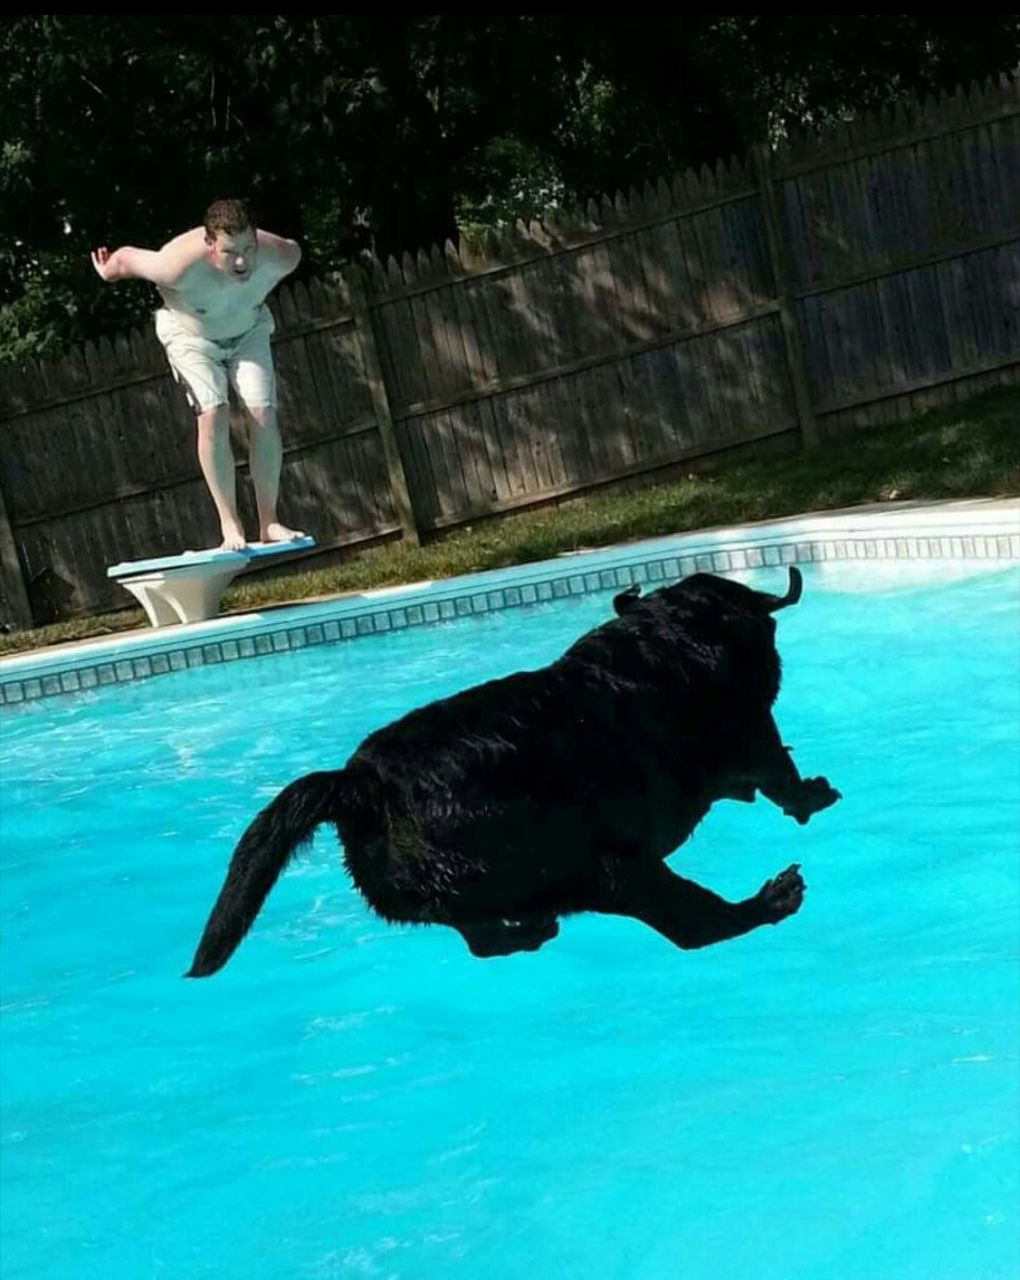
x: 842, y: 280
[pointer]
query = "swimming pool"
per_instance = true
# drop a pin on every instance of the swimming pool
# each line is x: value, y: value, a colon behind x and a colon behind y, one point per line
x: 835, y: 1097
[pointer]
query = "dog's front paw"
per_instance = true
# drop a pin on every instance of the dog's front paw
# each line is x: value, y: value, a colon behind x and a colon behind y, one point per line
x: 815, y: 794
x: 782, y: 895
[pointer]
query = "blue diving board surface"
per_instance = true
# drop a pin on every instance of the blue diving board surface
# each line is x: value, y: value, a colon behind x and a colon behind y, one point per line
x: 227, y: 559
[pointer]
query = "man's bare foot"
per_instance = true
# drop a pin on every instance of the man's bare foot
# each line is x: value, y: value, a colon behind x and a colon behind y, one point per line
x: 233, y: 539
x: 280, y: 533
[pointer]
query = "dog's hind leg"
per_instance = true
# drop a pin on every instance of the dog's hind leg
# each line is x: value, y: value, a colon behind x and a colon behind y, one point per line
x: 487, y: 938
x: 775, y: 775
x: 685, y: 913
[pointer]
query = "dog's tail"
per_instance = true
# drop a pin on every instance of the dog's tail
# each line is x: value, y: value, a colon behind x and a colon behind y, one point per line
x: 793, y: 594
x: 261, y: 855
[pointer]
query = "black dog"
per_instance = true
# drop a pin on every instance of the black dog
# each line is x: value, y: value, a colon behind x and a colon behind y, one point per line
x: 560, y: 790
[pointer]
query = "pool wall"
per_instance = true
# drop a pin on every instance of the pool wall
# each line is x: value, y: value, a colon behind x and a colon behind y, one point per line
x: 985, y: 531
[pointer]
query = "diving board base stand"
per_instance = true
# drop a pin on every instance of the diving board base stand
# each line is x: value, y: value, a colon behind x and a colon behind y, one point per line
x: 190, y: 587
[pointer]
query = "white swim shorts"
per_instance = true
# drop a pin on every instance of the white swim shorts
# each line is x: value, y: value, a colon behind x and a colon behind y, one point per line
x: 205, y: 366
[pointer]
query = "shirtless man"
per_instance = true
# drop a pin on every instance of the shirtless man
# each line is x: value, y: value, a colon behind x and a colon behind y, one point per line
x: 215, y: 327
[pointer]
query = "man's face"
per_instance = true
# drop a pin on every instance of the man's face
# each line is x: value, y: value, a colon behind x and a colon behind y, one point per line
x: 234, y: 255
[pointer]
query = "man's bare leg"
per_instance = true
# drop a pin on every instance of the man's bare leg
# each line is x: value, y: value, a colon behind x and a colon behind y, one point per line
x: 217, y: 462
x: 265, y: 461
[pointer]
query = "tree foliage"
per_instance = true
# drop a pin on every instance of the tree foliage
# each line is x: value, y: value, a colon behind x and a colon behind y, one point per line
x: 393, y: 132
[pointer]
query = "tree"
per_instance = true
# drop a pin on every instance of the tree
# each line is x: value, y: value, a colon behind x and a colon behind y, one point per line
x: 395, y: 132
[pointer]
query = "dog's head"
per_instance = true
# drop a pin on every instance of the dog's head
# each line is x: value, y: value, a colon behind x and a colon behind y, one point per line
x: 727, y: 625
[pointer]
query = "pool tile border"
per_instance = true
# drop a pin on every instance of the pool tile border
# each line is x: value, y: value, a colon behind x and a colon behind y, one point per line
x: 982, y: 532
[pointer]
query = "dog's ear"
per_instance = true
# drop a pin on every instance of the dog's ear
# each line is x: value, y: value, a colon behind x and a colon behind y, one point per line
x: 626, y: 600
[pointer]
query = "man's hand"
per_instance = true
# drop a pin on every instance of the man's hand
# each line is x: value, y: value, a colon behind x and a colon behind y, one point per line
x: 102, y: 260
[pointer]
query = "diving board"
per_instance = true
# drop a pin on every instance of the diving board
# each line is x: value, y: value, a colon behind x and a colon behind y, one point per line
x: 189, y: 587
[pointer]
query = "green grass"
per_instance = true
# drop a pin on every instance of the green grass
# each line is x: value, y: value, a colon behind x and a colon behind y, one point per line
x: 972, y: 450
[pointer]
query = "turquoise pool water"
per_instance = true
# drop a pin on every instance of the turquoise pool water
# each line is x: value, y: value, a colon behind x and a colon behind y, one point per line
x: 836, y: 1097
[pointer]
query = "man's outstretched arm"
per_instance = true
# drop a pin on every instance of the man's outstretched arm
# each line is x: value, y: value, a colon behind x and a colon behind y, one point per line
x: 163, y: 266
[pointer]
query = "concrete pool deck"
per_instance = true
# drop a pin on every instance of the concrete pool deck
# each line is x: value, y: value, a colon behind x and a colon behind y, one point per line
x: 972, y: 532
